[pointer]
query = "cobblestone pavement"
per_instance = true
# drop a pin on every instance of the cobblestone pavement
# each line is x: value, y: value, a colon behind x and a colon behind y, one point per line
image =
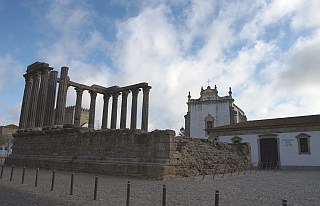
x: 258, y: 188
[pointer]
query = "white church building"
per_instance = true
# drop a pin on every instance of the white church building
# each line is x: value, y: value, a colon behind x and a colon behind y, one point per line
x: 209, y: 111
x: 291, y: 142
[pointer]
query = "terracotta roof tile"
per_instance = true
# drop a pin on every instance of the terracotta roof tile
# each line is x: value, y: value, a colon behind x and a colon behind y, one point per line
x: 272, y: 122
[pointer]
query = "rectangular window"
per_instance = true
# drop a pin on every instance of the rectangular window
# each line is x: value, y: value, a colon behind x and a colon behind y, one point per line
x: 304, y: 146
x: 303, y: 140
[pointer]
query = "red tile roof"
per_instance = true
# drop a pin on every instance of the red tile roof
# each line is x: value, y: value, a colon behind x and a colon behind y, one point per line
x: 287, y: 121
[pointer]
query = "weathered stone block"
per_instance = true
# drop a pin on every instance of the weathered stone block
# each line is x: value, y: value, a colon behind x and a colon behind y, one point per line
x: 160, y: 147
x: 162, y: 154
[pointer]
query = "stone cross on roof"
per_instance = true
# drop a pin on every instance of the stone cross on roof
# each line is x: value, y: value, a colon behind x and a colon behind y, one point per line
x: 208, y: 82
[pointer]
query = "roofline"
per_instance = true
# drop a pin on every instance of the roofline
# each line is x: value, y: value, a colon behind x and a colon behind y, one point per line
x: 276, y: 125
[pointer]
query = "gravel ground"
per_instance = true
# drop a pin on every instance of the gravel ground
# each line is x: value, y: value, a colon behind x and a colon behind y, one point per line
x: 258, y: 188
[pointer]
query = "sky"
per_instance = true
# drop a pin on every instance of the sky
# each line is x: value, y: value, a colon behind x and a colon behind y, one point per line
x: 267, y: 51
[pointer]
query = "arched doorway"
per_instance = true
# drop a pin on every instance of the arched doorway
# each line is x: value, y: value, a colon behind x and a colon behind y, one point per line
x: 269, y: 153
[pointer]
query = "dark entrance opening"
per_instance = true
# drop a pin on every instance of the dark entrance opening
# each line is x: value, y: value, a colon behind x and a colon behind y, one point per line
x: 269, y: 153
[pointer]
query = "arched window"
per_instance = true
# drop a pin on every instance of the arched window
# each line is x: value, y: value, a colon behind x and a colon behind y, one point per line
x: 303, y: 144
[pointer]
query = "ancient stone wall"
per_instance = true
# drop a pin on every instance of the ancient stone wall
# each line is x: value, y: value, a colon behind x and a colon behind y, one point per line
x: 117, y: 152
x: 156, y: 155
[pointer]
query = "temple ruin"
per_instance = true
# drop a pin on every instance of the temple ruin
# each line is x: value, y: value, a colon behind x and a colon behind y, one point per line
x: 39, y: 100
x: 45, y: 139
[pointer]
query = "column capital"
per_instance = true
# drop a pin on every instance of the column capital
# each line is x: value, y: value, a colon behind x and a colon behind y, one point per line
x: 44, y: 71
x: 93, y: 94
x: 36, y: 75
x: 106, y: 96
x: 115, y: 95
x: 125, y: 93
x: 28, y: 78
x: 78, y: 90
x: 146, y: 89
x: 135, y: 91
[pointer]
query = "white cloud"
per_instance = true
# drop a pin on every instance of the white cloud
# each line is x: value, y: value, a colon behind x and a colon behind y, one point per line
x: 10, y: 78
x: 302, y: 68
x: 9, y: 69
x: 67, y: 17
x: 291, y: 86
x: 220, y: 41
x: 307, y: 15
x: 253, y: 72
x: 73, y: 35
x: 267, y: 13
x: 196, y: 17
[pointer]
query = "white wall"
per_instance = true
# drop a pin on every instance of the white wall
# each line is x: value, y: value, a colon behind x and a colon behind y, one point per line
x: 289, y: 151
x: 288, y: 146
x: 198, y: 113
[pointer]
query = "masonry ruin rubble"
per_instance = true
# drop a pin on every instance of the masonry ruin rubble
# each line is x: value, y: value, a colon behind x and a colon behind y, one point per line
x: 43, y: 140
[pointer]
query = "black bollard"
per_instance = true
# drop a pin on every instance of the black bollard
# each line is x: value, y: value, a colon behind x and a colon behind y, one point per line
x: 284, y: 202
x: 128, y: 194
x: 71, y: 186
x: 37, y: 174
x: 11, y: 174
x: 95, y: 187
x: 216, y: 198
x: 23, y: 172
x: 164, y: 195
x: 1, y: 171
x: 52, y: 181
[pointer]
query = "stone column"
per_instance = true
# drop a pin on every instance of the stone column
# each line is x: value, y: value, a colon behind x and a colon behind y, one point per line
x: 77, y: 112
x: 145, y: 108
x: 123, y: 117
x: 62, y: 97
x: 134, y: 108
x: 92, y: 112
x: 34, y: 100
x: 51, y: 98
x: 106, y: 98
x: 25, y: 102
x: 114, y: 110
x: 42, y: 97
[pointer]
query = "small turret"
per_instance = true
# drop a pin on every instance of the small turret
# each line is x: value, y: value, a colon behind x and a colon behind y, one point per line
x: 189, y: 96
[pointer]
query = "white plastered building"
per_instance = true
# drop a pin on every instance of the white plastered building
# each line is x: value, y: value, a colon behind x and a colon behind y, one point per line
x: 291, y: 142
x: 210, y: 110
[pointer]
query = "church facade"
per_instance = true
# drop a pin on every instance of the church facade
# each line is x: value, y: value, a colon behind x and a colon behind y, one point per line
x: 291, y: 142
x: 209, y: 111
